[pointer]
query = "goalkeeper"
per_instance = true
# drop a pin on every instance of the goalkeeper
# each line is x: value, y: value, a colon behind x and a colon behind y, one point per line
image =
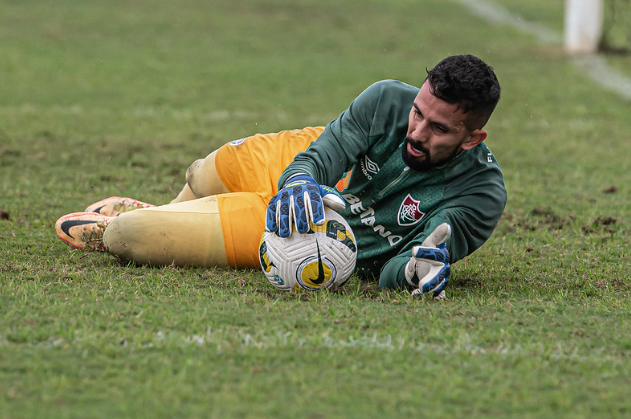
x: 418, y: 186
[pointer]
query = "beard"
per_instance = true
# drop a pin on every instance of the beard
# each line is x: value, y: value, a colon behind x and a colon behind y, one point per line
x: 411, y: 161
x: 425, y: 164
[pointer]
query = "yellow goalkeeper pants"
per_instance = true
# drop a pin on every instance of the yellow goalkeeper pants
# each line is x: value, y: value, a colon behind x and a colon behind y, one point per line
x: 219, y: 216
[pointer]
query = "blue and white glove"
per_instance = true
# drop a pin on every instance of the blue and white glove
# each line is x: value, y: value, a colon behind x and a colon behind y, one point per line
x: 428, y: 269
x: 299, y: 203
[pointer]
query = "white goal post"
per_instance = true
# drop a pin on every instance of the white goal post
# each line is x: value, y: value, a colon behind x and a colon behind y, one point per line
x: 583, y: 25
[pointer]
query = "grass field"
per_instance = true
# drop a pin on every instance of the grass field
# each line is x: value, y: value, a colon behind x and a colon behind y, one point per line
x: 118, y: 98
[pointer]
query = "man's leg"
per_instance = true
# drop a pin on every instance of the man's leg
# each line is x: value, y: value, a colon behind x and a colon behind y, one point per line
x: 223, y: 231
x: 251, y: 164
x: 202, y: 180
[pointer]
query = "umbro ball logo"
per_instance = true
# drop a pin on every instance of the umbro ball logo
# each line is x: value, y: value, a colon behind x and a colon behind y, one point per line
x: 371, y: 166
x: 409, y: 212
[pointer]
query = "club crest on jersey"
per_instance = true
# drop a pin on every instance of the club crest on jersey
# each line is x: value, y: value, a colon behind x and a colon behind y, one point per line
x: 409, y: 212
x: 237, y: 142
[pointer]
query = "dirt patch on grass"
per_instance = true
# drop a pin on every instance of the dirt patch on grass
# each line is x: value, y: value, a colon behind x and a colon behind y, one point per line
x: 601, y: 224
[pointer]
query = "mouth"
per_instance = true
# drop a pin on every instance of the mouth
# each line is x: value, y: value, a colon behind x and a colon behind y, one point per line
x: 414, y: 152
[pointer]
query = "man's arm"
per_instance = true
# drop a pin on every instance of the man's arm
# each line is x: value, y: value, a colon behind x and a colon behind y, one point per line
x: 344, y: 139
x: 470, y: 227
x: 322, y: 165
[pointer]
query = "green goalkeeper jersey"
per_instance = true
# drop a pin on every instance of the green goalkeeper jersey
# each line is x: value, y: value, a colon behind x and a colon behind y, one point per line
x: 390, y: 207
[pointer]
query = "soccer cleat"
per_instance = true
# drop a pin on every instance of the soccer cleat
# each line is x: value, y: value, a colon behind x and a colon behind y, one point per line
x: 83, y: 230
x: 115, y: 205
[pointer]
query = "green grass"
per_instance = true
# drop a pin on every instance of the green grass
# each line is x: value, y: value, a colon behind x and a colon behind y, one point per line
x: 118, y: 98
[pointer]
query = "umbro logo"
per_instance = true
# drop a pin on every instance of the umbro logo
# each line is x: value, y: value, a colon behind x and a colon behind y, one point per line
x: 369, y: 167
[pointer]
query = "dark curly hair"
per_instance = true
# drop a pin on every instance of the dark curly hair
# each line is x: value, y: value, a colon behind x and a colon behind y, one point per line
x: 468, y: 82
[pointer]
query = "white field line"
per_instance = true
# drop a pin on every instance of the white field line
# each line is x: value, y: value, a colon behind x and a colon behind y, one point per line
x: 593, y: 65
x: 599, y: 71
x: 499, y: 15
x: 228, y: 341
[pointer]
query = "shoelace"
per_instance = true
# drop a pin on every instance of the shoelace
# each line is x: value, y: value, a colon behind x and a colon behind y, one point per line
x: 93, y: 236
x: 127, y: 205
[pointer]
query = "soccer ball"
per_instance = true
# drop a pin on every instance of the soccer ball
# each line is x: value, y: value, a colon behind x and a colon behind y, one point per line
x: 319, y: 259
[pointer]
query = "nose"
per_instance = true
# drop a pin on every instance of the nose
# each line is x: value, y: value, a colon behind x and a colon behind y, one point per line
x: 419, y: 131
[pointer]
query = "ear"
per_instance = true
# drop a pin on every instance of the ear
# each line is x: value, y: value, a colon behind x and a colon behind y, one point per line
x: 477, y: 136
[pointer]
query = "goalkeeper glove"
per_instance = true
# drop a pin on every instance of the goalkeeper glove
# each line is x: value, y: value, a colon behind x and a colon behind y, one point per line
x: 428, y: 269
x: 299, y: 203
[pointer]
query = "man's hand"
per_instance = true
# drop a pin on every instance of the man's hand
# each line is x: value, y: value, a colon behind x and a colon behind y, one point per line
x: 299, y: 203
x: 428, y: 268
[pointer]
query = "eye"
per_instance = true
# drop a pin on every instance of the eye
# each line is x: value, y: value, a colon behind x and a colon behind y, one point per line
x: 441, y: 129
